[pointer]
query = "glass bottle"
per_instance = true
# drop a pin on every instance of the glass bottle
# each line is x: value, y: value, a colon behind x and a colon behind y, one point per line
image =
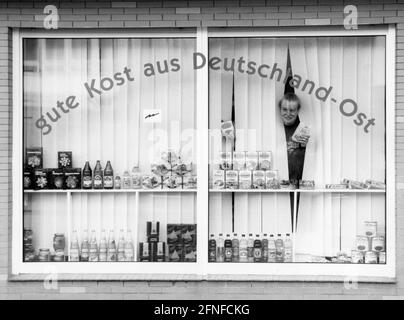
x: 212, y: 248
x: 126, y: 180
x: 108, y: 176
x: 220, y: 248
x: 85, y: 247
x: 129, y: 247
x: 228, y: 250
x: 279, y: 249
x: 271, y: 249
x: 288, y: 249
x: 243, y: 252
x: 136, y: 178
x: 87, y: 176
x: 236, y: 248
x: 121, y: 247
x: 103, y: 247
x: 250, y: 248
x: 257, y: 249
x: 111, y: 254
x: 264, y: 248
x: 93, y: 247
x: 117, y: 182
x: 97, y: 181
x: 74, y: 248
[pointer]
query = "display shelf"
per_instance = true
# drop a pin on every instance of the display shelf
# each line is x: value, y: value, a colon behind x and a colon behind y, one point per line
x: 113, y: 191
x: 299, y: 190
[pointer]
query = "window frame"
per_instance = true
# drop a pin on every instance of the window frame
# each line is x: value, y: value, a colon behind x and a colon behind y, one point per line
x: 202, y: 270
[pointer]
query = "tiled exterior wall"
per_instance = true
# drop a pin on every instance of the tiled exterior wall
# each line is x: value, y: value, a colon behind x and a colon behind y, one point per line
x: 145, y: 14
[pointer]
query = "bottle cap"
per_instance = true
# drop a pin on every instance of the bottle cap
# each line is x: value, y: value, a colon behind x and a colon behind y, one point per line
x: 235, y: 234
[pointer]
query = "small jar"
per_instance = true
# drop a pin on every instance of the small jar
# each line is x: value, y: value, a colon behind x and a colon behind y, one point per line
x: 44, y: 255
x: 59, y: 242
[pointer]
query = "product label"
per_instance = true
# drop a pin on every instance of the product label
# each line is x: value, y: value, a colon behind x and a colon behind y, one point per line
x: 245, y: 179
x: 259, y: 179
x: 251, y: 160
x: 108, y: 181
x: 257, y: 254
x: 362, y: 243
x: 74, y: 255
x: 370, y: 228
x: 265, y: 160
x: 97, y: 181
x: 93, y: 254
x: 228, y: 253
x: 231, y: 179
x: 288, y: 255
x: 218, y: 179
x: 103, y: 255
x: 378, y: 244
x: 87, y: 181
x: 226, y: 161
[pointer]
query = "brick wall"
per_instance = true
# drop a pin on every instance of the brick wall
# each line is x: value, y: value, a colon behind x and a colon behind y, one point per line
x: 145, y: 14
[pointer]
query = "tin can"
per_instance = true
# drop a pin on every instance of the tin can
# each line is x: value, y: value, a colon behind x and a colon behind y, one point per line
x: 357, y: 256
x: 44, y: 255
x: 362, y: 243
x: 28, y: 235
x: 265, y: 160
x: 370, y: 257
x: 378, y: 244
x: 382, y: 257
x: 370, y: 228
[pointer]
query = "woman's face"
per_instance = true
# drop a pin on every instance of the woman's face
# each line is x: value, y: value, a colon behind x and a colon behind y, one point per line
x: 289, y: 112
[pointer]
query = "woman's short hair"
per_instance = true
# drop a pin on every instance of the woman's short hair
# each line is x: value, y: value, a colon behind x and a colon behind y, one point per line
x: 290, y: 96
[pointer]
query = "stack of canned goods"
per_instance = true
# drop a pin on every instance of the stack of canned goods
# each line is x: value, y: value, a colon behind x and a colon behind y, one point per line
x: 29, y: 250
x: 370, y: 248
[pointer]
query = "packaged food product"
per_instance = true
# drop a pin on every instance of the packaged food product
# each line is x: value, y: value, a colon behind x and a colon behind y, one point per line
x: 28, y: 179
x: 73, y: 178
x: 306, y: 184
x: 287, y: 184
x: 245, y: 179
x: 231, y: 179
x: 258, y: 179
x: 218, y: 179
x: 370, y: 257
x: 188, y: 233
x: 378, y: 244
x: 265, y: 160
x: 302, y: 131
x: 251, y: 160
x: 65, y: 159
x: 173, y: 233
x: 336, y: 186
x: 352, y: 184
x: 151, y: 181
x: 153, y: 229
x: 238, y: 160
x: 174, y: 252
x: 357, y: 256
x: 227, y: 129
x: 144, y: 251
x: 41, y: 179
x: 57, y: 179
x: 370, y: 228
x: 189, y: 253
x: 382, y: 257
x: 189, y: 181
x: 226, y: 160
x: 173, y: 182
x: 372, y: 184
x: 161, y: 252
x: 271, y: 179
x: 34, y: 157
x: 362, y: 243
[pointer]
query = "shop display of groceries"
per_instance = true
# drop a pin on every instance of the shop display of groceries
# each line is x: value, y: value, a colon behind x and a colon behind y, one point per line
x: 44, y: 254
x: 170, y: 173
x: 260, y: 248
x: 370, y: 247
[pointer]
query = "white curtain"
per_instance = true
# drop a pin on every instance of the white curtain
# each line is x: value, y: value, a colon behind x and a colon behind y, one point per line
x: 110, y: 126
x: 258, y: 127
x: 338, y: 148
x: 355, y: 68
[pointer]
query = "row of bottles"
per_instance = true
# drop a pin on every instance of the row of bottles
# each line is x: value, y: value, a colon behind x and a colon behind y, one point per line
x: 260, y: 249
x: 105, y: 250
x: 105, y: 179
